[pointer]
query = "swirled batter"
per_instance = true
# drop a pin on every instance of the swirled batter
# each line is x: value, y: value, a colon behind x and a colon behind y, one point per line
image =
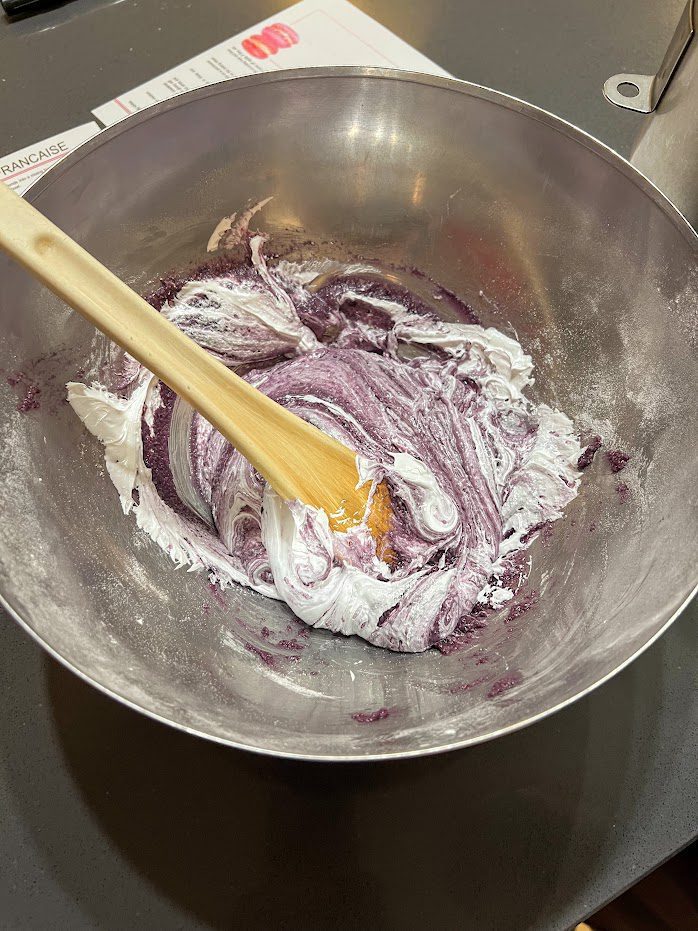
x: 436, y: 410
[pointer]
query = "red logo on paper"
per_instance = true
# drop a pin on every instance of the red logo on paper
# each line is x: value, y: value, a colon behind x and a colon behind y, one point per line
x: 270, y: 40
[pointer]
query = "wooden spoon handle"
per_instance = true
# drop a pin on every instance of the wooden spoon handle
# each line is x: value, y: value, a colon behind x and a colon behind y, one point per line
x: 270, y: 437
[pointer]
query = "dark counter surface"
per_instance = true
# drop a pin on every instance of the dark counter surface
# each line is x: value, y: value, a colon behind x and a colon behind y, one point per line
x: 110, y: 820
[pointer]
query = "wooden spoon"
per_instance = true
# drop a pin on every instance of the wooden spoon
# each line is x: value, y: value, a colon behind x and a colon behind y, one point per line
x: 298, y: 460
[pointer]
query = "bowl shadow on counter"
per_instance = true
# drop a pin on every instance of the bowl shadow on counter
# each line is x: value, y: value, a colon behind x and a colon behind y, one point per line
x: 230, y: 836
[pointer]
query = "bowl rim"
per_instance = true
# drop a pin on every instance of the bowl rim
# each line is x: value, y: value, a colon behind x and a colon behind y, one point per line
x: 454, y: 85
x: 469, y: 88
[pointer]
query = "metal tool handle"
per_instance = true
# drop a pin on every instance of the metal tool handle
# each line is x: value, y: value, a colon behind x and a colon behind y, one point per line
x: 644, y: 91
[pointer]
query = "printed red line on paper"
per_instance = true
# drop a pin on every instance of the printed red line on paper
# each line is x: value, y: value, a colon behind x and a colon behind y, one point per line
x: 35, y: 165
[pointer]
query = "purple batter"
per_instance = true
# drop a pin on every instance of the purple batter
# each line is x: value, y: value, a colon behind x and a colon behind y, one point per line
x: 436, y: 410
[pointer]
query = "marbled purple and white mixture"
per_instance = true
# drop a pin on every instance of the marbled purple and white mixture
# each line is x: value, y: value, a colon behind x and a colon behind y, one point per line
x: 436, y: 410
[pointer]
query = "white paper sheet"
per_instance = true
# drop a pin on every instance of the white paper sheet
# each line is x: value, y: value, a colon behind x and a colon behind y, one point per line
x: 310, y: 33
x: 21, y: 169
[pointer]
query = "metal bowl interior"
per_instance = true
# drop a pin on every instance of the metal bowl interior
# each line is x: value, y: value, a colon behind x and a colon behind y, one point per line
x: 543, y: 230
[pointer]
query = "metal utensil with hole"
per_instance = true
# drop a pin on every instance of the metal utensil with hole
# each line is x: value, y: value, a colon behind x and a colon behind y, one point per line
x: 642, y: 92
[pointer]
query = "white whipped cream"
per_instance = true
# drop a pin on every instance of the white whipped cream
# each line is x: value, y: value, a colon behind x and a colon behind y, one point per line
x: 515, y: 458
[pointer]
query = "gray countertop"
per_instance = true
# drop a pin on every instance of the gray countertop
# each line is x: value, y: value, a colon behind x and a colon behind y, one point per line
x: 110, y: 820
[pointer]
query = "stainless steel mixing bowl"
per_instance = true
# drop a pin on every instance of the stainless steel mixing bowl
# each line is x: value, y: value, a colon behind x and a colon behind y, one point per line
x: 541, y: 228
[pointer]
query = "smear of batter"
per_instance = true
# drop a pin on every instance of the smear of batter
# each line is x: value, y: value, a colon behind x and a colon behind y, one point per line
x: 436, y: 410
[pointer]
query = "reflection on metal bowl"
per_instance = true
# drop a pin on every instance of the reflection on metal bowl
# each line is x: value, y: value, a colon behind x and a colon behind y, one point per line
x: 540, y: 228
